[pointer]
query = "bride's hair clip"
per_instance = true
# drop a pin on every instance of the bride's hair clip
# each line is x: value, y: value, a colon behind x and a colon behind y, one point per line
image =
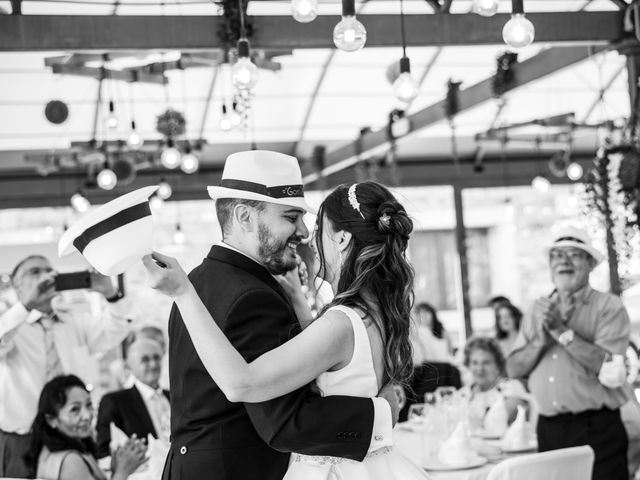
x: 353, y: 200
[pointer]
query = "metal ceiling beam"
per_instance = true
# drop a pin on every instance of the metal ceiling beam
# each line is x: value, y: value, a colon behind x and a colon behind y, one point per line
x: 112, y: 32
x: 26, y: 188
x: 545, y: 63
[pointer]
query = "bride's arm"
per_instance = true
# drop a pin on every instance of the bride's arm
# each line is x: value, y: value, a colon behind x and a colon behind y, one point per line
x: 327, y: 342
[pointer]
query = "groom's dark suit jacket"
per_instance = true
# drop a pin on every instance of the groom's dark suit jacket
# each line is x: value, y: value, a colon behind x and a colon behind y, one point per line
x: 212, y: 438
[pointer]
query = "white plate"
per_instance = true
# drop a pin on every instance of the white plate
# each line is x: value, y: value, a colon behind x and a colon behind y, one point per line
x: 532, y: 447
x: 437, y: 466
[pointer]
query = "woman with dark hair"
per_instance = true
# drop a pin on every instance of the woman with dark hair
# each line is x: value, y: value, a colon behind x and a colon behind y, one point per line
x: 62, y: 445
x: 508, y: 318
x: 358, y: 342
x: 429, y: 339
x: 483, y: 357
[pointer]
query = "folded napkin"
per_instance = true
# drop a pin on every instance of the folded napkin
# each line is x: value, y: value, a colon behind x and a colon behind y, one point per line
x: 456, y: 450
x: 613, y: 373
x: 518, y: 435
x: 157, y: 450
x: 496, y: 421
x: 118, y: 437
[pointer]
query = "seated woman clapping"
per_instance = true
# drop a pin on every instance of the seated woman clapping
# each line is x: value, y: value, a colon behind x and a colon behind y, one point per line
x: 62, y: 443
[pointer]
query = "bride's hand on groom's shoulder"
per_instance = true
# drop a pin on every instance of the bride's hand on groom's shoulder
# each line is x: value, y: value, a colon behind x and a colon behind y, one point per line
x: 165, y: 274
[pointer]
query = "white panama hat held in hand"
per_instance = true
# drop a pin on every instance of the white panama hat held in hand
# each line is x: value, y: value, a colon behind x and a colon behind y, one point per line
x: 264, y: 176
x: 115, y: 235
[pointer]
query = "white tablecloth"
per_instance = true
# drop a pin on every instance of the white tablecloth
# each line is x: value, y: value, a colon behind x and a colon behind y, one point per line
x: 410, y: 444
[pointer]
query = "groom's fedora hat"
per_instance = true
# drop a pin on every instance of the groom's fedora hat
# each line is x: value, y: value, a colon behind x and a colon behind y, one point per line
x: 115, y: 235
x: 262, y: 175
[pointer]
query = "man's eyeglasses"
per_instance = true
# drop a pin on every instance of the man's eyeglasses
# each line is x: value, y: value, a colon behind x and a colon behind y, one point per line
x: 572, y: 255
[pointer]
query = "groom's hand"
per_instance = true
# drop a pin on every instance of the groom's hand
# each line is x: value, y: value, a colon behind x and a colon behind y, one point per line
x: 389, y: 394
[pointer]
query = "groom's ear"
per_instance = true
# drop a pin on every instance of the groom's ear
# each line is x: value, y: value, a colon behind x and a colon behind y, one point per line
x: 244, y: 216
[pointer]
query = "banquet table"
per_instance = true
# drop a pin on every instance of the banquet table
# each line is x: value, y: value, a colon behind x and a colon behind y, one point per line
x: 410, y: 443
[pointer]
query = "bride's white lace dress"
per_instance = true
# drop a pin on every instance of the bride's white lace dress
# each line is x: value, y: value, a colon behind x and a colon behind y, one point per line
x: 357, y: 379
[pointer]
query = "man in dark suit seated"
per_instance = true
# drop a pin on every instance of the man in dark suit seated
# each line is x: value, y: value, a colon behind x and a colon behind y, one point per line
x: 141, y: 409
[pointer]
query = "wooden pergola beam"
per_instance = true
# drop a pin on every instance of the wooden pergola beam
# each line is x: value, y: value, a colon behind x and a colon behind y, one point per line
x: 112, y: 32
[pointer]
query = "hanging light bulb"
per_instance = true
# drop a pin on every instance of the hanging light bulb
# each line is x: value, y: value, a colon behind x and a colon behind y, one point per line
x: 244, y: 73
x: 189, y: 162
x: 541, y: 183
x: 304, y: 11
x: 178, y: 236
x: 164, y: 190
x: 575, y: 171
x: 170, y: 156
x: 225, y: 120
x: 235, y: 117
x: 404, y: 87
x: 112, y: 119
x: 485, y: 8
x: 79, y: 202
x: 518, y: 32
x: 107, y: 179
x: 134, y: 140
x: 156, y: 203
x: 349, y: 34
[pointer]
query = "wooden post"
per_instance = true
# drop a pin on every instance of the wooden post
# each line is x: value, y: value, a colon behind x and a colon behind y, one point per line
x: 461, y: 244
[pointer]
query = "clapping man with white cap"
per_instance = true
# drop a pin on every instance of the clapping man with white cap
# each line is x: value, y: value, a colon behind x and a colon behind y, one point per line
x: 565, y: 346
x: 260, y: 205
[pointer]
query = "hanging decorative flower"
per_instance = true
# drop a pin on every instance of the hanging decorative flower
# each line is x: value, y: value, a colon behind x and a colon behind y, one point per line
x: 612, y: 194
x: 171, y: 124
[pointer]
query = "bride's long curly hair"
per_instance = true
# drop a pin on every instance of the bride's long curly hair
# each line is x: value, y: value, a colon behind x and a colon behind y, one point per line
x: 375, y: 275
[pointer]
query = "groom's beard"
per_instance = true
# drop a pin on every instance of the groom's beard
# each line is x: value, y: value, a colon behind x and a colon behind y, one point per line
x: 275, y: 254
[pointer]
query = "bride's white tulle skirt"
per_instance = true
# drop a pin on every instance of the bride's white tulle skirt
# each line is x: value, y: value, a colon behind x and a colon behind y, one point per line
x: 383, y: 464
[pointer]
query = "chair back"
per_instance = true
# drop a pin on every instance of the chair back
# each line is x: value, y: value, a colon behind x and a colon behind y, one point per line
x: 563, y: 464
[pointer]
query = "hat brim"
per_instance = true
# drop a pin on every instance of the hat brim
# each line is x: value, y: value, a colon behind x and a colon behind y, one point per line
x: 65, y: 244
x: 597, y: 256
x: 223, y: 192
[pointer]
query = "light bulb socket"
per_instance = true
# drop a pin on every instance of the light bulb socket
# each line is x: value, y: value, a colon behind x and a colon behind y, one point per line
x: 224, y: 109
x: 170, y: 143
x: 244, y: 50
x: 405, y: 65
x: 348, y: 8
x: 133, y: 125
x: 111, y: 106
x: 517, y: 7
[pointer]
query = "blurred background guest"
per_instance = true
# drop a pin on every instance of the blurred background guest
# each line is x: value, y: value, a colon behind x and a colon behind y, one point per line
x: 141, y: 409
x: 120, y: 373
x: 483, y: 357
x: 62, y: 445
x: 429, y: 339
x: 42, y: 336
x: 498, y: 300
x: 508, y: 318
x: 432, y: 359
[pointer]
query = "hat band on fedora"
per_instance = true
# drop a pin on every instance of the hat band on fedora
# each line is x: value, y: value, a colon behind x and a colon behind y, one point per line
x: 280, y: 191
x: 128, y: 215
x: 570, y: 239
